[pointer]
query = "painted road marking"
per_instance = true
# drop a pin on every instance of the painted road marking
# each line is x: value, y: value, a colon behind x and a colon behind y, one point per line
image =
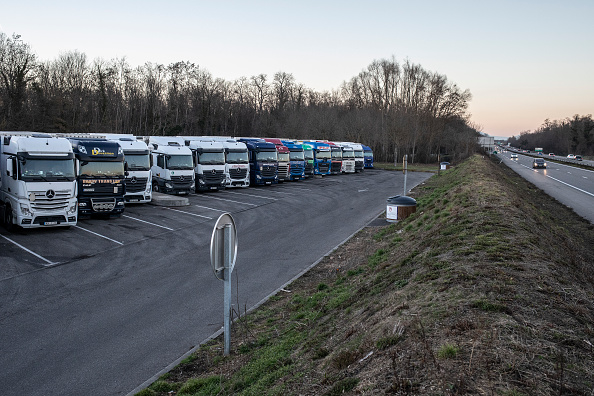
x: 230, y: 200
x: 188, y: 213
x: 99, y: 235
x: 249, y: 195
x: 30, y: 251
x: 147, y: 222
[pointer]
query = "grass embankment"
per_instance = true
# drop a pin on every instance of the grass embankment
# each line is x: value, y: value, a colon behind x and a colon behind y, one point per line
x: 487, y: 289
x: 417, y: 167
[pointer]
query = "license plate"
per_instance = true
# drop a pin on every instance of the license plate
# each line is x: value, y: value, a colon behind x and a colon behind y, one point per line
x: 134, y: 200
x: 213, y: 188
x: 50, y: 223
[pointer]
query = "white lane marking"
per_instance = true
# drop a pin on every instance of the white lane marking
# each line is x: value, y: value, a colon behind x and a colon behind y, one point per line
x: 99, y: 235
x: 29, y: 251
x: 230, y: 200
x: 147, y: 222
x: 209, y: 208
x: 249, y: 195
x: 569, y: 185
x: 188, y: 213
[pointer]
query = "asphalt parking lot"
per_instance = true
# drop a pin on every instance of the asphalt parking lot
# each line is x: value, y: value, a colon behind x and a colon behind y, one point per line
x: 102, y: 307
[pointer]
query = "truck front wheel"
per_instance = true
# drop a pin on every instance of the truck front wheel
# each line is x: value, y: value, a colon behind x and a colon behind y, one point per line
x: 8, y: 218
x: 156, y: 186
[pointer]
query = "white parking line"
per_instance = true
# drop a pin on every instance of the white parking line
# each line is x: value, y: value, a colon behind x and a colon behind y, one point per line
x: 249, y: 195
x: 148, y: 222
x: 188, y: 213
x: 99, y: 235
x: 29, y: 251
x: 230, y: 200
x: 209, y: 208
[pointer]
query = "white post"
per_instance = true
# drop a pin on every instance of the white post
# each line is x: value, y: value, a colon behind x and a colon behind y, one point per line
x: 404, y: 170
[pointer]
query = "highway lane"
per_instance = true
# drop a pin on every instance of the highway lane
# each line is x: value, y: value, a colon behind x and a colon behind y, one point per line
x: 124, y: 298
x: 570, y: 185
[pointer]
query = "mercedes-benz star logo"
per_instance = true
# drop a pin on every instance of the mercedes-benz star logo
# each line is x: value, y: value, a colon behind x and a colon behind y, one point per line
x: 133, y: 180
x: 181, y: 178
x: 50, y: 194
x: 214, y: 171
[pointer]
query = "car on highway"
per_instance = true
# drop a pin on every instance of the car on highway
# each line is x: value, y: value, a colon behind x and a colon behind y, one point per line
x: 514, y: 156
x: 578, y: 157
x: 570, y: 156
x: 539, y: 163
x: 551, y: 154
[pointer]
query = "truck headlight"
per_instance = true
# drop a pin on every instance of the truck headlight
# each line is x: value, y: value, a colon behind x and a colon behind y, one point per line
x: 72, y: 209
x: 261, y: 168
x: 200, y: 181
x: 168, y: 185
x: 25, y: 210
x: 193, y: 185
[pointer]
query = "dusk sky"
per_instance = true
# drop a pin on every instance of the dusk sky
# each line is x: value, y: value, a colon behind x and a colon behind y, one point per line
x: 523, y: 61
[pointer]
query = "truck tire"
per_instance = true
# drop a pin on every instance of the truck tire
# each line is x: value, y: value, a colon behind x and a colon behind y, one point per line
x: 8, y: 218
x: 156, y: 186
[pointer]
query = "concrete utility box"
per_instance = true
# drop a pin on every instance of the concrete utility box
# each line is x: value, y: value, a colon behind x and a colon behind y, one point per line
x: 400, y: 207
x: 444, y: 165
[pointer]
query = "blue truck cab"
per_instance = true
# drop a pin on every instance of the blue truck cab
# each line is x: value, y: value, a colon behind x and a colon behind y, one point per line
x: 322, y: 157
x: 263, y: 161
x: 297, y: 159
x: 368, y: 157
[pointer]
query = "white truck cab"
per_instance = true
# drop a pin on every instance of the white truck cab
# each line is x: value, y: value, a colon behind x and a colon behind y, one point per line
x: 348, y: 157
x: 209, y: 163
x: 173, y: 167
x: 37, y: 181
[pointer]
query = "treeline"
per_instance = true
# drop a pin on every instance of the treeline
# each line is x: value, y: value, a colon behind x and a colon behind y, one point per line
x: 569, y: 136
x: 395, y: 108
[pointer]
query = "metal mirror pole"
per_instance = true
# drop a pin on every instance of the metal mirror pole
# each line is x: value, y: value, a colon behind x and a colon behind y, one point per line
x: 227, y: 298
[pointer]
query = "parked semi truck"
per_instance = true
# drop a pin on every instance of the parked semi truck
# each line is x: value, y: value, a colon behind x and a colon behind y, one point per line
x: 297, y: 158
x: 336, y: 159
x: 368, y: 157
x: 237, y: 163
x: 37, y: 181
x: 137, y: 158
x: 348, y: 158
x: 209, y: 163
x: 263, y: 161
x: 172, y: 166
x: 100, y: 171
x: 308, y: 155
x: 284, y: 159
x: 322, y: 157
x: 359, y: 157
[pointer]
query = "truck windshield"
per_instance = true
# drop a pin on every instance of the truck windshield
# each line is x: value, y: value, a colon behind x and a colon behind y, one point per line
x: 348, y: 154
x: 308, y: 155
x: 47, y: 169
x: 137, y: 162
x: 212, y: 158
x: 322, y: 154
x: 235, y: 157
x: 296, y: 156
x: 266, y: 156
x: 283, y: 157
x: 180, y: 162
x: 102, y: 169
x: 358, y: 154
x: 336, y: 154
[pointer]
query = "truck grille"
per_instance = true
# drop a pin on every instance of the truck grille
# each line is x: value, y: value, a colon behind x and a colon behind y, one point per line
x: 336, y: 167
x: 309, y: 168
x: 269, y: 171
x: 283, y: 170
x: 296, y: 169
x: 103, y: 204
x: 214, y: 178
x: 324, y: 167
x: 136, y: 185
x: 359, y: 165
x: 42, y: 201
x: 238, y: 173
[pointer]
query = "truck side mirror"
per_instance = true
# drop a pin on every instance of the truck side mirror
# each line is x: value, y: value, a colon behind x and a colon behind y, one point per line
x: 126, y: 173
x: 9, y: 167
